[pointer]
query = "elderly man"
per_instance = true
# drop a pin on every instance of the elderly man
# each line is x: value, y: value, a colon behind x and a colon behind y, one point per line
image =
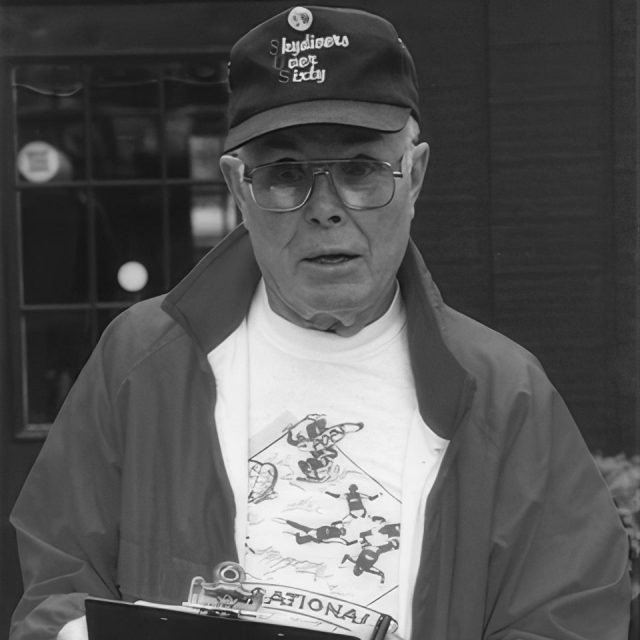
x: 307, y: 376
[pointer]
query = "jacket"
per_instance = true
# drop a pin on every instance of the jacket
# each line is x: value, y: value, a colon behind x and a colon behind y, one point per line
x: 129, y: 497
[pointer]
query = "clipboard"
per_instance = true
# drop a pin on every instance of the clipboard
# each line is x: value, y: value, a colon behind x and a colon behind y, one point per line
x: 117, y: 620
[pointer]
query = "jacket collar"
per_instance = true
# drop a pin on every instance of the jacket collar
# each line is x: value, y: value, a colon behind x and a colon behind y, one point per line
x: 212, y: 300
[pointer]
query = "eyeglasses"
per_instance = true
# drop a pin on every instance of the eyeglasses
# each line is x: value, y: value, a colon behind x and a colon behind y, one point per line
x: 286, y: 186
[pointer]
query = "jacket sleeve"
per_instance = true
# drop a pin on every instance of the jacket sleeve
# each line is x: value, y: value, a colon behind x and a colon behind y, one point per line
x: 559, y: 565
x: 66, y: 517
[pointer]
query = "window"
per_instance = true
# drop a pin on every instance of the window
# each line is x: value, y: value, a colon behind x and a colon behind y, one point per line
x: 118, y: 194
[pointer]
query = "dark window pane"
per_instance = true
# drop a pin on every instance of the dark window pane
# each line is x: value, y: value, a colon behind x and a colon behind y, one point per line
x: 126, y: 111
x: 203, y: 156
x: 199, y: 218
x: 196, y: 99
x: 58, y: 344
x: 50, y: 122
x: 129, y: 230
x: 196, y: 84
x: 54, y: 246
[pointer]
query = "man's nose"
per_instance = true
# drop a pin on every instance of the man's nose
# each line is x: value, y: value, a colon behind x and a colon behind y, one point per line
x: 324, y: 206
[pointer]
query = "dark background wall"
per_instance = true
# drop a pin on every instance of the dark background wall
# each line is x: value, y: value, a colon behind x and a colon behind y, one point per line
x: 529, y: 215
x: 524, y: 209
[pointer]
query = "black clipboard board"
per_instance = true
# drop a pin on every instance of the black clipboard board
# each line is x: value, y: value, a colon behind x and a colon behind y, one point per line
x: 117, y: 620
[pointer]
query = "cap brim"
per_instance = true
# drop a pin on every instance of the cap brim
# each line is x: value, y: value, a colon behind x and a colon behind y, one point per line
x: 369, y: 115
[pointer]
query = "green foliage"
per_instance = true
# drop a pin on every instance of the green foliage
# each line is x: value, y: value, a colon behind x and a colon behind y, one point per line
x: 622, y: 475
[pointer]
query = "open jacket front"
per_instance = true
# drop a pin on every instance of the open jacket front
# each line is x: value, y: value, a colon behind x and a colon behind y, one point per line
x: 129, y: 497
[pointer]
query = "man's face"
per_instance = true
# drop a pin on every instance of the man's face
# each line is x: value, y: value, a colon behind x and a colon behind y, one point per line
x: 327, y: 266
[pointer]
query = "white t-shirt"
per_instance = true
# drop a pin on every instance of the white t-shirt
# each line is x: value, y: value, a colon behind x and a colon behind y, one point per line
x: 325, y: 422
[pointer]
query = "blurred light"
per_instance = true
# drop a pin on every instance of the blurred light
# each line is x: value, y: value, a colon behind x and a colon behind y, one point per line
x: 132, y: 276
x: 213, y: 215
x: 39, y: 161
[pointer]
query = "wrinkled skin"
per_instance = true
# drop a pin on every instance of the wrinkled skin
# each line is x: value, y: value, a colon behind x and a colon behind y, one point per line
x: 325, y: 266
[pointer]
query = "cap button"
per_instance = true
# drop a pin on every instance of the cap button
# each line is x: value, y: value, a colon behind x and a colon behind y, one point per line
x: 300, y: 18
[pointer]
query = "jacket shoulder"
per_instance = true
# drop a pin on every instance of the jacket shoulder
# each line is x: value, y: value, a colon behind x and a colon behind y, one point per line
x: 481, y: 349
x: 137, y: 333
x: 509, y: 379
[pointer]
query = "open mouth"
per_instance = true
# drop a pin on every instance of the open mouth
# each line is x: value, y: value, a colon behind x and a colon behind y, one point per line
x: 331, y: 258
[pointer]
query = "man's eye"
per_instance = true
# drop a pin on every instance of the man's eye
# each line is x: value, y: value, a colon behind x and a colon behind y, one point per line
x: 289, y: 174
x: 357, y: 169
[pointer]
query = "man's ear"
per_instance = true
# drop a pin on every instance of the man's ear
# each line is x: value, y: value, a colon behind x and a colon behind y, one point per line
x: 231, y: 167
x: 418, y: 169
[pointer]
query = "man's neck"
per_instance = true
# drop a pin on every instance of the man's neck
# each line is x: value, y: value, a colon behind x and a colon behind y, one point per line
x: 342, y: 322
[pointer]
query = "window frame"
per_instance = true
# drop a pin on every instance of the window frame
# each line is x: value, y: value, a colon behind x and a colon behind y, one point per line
x: 18, y: 307
x: 88, y: 35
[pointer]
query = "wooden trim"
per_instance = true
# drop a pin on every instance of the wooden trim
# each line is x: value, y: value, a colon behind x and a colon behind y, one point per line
x: 637, y: 229
x: 10, y: 373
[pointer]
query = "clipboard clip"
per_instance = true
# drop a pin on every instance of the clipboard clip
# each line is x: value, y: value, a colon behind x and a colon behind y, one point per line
x: 228, y: 597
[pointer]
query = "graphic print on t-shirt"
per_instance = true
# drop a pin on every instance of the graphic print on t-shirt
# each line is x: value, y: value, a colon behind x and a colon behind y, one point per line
x: 319, y: 521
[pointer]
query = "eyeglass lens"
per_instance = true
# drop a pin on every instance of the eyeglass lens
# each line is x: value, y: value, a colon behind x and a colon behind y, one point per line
x: 360, y: 184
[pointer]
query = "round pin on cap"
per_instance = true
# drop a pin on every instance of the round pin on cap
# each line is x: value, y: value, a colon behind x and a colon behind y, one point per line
x: 300, y: 18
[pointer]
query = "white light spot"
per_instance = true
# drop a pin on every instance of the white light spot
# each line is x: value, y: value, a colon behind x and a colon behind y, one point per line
x: 132, y: 276
x: 39, y: 161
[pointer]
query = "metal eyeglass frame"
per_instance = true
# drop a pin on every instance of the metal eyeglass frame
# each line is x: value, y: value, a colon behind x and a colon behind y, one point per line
x: 320, y: 170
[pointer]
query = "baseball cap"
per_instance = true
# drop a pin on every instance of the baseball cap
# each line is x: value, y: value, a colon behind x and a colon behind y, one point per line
x: 315, y: 65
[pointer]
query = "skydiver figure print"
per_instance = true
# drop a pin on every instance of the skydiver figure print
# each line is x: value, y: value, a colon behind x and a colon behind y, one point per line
x: 319, y: 441
x: 354, y: 500
x: 327, y: 533
x: 367, y: 558
x: 380, y: 527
